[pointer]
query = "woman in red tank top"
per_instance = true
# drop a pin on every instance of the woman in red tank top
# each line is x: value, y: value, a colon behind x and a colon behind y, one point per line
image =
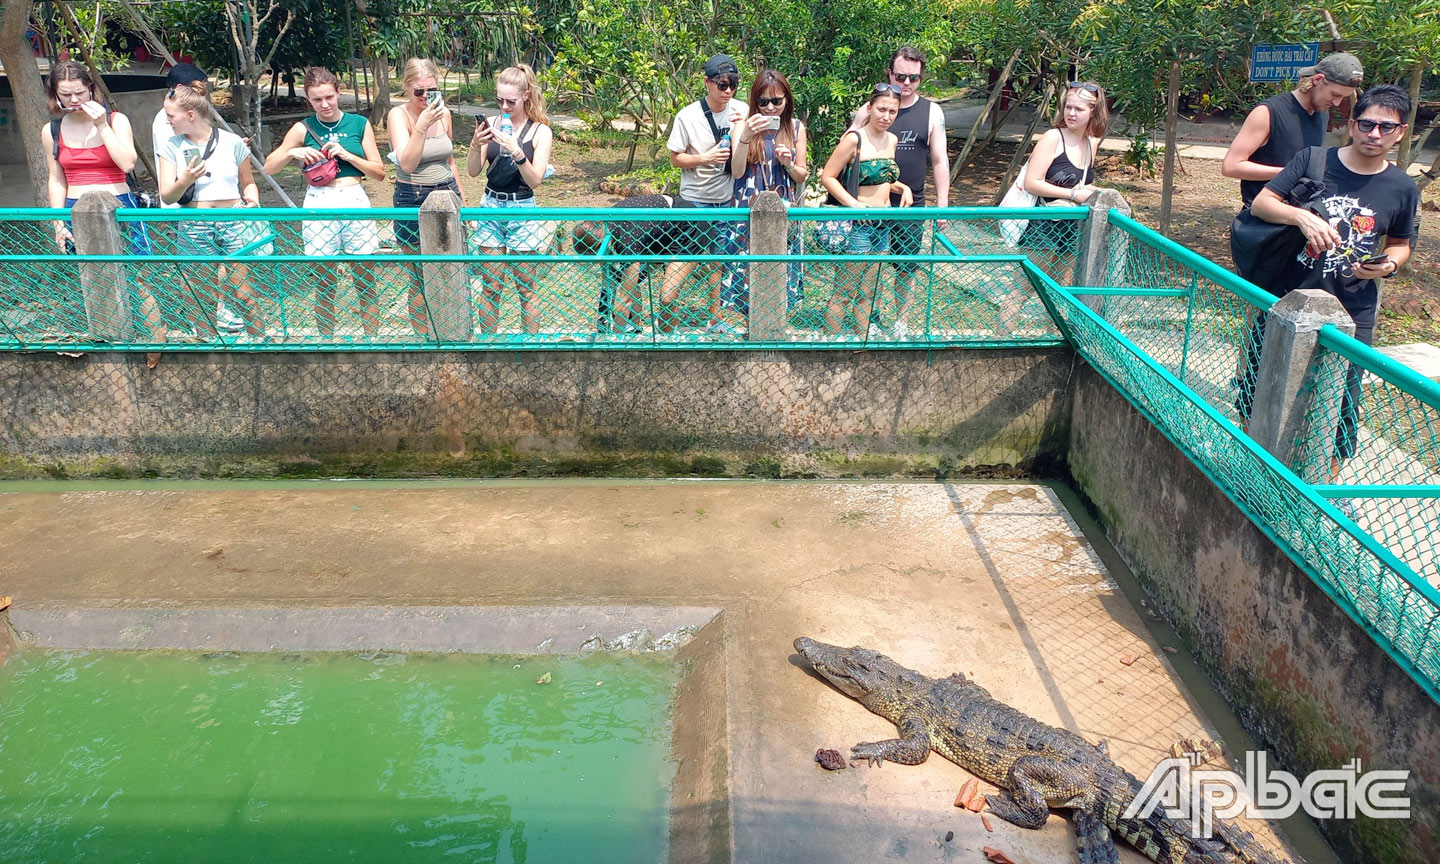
x: 93, y: 153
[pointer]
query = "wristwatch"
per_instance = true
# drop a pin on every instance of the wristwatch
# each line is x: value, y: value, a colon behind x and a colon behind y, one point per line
x: 520, y: 160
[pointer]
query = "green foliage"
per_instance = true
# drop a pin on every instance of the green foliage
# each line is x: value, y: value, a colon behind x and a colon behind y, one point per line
x: 199, y: 28
x: 1142, y: 155
x: 662, y: 176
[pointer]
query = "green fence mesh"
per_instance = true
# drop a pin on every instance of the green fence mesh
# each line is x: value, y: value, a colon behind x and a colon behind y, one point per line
x: 306, y: 279
x: 1172, y: 332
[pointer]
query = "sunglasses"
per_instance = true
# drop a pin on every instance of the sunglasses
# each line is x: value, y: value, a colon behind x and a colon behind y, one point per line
x: 888, y: 88
x: 1086, y: 86
x: 506, y: 103
x: 1385, y: 126
x: 912, y: 78
x: 762, y: 102
x: 728, y: 82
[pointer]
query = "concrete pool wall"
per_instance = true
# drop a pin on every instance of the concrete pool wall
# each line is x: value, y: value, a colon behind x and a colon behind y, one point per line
x: 1307, y: 681
x: 737, y: 413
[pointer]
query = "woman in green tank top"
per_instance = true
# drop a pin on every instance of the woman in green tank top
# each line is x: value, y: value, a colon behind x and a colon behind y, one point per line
x: 349, y: 140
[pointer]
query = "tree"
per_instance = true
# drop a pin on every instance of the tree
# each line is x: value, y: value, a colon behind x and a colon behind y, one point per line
x: 29, y: 93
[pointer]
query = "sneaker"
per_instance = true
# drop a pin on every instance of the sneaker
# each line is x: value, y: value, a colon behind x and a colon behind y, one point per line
x: 722, y: 329
x: 900, y: 331
x: 876, y: 333
x: 227, y: 321
x: 1347, y: 507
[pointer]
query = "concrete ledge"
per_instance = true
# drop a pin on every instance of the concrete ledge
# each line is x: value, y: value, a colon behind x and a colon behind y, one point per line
x: 467, y: 629
x: 1308, y: 683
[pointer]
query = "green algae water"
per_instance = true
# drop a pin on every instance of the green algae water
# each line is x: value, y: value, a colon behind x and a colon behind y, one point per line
x: 159, y: 756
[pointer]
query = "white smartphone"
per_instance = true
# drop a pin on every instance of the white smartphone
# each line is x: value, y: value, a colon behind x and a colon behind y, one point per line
x: 773, y: 123
x: 434, y: 98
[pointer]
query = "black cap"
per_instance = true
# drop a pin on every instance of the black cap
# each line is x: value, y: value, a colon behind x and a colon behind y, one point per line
x: 185, y: 73
x: 720, y: 64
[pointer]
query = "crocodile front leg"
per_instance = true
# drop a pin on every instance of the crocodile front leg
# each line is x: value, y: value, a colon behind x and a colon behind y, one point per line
x: 912, y: 748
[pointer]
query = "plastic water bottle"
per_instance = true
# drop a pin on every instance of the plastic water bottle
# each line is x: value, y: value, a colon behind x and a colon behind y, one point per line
x: 505, y: 125
x: 725, y: 140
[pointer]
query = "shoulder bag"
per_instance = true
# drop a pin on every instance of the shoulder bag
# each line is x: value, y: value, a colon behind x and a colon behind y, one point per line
x: 833, y: 235
x: 1261, y: 250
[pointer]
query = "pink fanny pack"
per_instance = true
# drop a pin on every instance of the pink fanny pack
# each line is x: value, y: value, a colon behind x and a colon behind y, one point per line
x: 321, y: 173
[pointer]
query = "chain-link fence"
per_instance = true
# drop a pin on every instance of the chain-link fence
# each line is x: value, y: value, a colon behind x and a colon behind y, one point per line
x: 1357, y: 501
x: 190, y: 279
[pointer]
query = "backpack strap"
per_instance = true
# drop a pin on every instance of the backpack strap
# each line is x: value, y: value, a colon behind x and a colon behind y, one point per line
x: 710, y: 118
x: 1315, y: 166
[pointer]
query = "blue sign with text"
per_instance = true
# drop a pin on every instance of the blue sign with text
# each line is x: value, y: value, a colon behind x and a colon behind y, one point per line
x: 1282, y: 62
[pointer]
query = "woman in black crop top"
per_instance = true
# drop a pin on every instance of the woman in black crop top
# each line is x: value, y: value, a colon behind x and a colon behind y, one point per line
x: 516, y: 148
x: 1062, y: 171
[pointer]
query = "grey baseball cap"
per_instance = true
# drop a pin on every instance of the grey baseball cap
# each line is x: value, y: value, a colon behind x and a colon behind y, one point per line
x: 721, y: 64
x: 1338, y: 68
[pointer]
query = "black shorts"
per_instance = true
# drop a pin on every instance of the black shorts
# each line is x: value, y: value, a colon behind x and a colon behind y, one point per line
x: 906, y: 237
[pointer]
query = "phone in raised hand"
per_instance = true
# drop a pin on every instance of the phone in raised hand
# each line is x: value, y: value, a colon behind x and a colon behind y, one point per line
x: 434, y: 98
x: 1375, y: 259
x: 772, y: 124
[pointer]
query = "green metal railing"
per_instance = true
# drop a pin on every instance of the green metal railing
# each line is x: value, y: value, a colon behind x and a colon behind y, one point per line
x: 1172, y: 335
x: 283, y: 279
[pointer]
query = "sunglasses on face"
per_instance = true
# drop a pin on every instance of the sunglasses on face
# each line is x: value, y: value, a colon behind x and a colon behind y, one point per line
x: 729, y: 82
x: 911, y: 78
x: 762, y: 102
x: 1385, y: 126
x: 888, y: 88
x: 506, y: 103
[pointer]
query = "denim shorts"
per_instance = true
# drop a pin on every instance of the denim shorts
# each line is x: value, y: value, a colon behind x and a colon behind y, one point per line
x: 869, y: 236
x: 517, y: 235
x: 407, y: 195
x: 204, y: 237
x: 139, y: 237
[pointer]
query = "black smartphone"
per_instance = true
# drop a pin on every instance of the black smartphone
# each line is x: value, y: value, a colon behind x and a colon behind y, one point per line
x: 1375, y: 259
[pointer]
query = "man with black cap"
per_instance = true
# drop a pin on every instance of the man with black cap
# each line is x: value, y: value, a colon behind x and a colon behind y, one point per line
x: 700, y: 147
x: 1283, y: 125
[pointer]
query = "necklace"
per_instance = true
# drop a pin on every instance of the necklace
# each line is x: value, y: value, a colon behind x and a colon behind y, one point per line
x: 327, y: 127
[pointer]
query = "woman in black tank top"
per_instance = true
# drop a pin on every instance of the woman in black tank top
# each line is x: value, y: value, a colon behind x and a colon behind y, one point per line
x: 1062, y: 171
x: 516, y: 148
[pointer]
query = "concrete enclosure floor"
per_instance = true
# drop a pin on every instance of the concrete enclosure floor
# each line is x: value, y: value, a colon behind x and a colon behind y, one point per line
x: 993, y: 580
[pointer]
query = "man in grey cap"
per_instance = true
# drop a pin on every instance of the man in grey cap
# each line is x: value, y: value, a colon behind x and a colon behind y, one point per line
x: 700, y: 147
x: 1283, y: 125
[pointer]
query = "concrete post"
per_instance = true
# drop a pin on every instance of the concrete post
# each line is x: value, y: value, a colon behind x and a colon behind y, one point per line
x: 1285, y: 387
x: 768, y: 236
x: 105, y: 286
x: 1094, y: 243
x: 446, y: 285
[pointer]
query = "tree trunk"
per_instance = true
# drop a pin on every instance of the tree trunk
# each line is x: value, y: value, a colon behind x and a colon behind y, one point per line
x: 1172, y: 113
x: 980, y: 120
x: 30, y: 105
x: 1024, y: 146
x: 380, y: 107
x: 1406, y: 153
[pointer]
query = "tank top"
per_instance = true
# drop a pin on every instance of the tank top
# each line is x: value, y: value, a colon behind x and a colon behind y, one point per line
x: 348, y: 132
x: 86, y: 166
x: 1292, y: 129
x: 1062, y: 173
x: 503, y: 174
x: 912, y: 152
x: 433, y: 169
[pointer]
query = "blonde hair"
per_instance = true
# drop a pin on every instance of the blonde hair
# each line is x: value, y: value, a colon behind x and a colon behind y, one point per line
x: 191, y: 97
x: 417, y: 68
x: 1099, y: 110
x: 522, y: 77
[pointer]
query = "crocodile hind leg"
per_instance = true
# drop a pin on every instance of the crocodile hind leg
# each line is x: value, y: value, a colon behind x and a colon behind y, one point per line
x: 1034, y: 784
x: 1094, y: 840
x: 910, y: 749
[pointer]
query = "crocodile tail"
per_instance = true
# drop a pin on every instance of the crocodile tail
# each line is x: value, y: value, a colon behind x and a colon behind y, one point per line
x: 1093, y: 839
x: 1242, y: 845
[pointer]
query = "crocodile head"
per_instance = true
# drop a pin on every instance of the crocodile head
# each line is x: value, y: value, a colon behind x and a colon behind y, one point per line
x: 879, y: 683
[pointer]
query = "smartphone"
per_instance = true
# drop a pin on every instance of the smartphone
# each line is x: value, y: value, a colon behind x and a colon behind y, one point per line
x: 773, y: 123
x: 481, y: 122
x: 1375, y: 259
x: 434, y: 98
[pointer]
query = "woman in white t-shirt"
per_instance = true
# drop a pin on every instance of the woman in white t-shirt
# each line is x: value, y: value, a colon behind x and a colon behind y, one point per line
x: 204, y: 167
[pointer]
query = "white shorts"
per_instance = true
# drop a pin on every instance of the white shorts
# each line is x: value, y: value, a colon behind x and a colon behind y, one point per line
x: 350, y: 236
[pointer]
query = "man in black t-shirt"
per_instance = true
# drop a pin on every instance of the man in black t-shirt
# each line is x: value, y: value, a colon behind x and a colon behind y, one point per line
x: 1366, y: 198
x: 1281, y: 126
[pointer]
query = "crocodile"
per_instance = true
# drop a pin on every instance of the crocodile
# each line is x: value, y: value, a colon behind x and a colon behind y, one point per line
x: 1038, y: 766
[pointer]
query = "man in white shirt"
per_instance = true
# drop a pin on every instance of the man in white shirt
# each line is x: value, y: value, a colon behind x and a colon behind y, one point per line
x: 700, y: 147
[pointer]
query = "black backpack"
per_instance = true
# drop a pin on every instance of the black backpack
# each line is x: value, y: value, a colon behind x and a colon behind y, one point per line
x: 143, y: 198
x: 1263, y: 250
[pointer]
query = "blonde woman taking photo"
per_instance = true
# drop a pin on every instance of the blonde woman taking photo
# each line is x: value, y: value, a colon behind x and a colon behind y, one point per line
x: 423, y: 143
x: 205, y: 167
x: 513, y: 149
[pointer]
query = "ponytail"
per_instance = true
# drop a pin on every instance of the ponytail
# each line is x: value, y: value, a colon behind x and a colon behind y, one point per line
x: 522, y: 78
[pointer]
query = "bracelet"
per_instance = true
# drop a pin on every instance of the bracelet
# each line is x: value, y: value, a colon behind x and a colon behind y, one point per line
x: 1072, y: 193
